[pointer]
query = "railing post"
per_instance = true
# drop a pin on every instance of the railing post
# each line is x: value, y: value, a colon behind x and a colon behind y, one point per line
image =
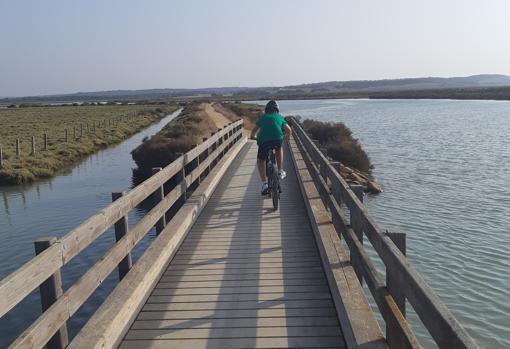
x: 399, y: 239
x: 121, y: 229
x: 50, y: 291
x: 207, y: 152
x: 213, y: 146
x: 158, y: 195
x: 358, y: 230
x: 196, y: 162
x: 394, y: 337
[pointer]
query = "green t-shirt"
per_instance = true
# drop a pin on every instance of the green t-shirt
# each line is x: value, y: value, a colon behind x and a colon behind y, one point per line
x: 271, y: 128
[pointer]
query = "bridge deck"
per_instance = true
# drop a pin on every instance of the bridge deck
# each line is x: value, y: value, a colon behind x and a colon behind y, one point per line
x: 245, y: 276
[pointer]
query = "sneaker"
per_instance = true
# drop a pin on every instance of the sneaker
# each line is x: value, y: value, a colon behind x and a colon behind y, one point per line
x: 264, y: 188
x: 282, y: 174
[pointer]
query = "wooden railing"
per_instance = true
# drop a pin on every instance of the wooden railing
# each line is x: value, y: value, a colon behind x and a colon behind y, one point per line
x: 402, y: 281
x: 52, y: 254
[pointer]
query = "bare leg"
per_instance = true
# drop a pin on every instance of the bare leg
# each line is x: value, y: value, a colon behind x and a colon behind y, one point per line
x: 261, y: 164
x: 279, y: 157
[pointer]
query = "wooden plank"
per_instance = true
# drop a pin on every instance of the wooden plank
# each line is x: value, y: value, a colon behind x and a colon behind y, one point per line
x: 253, y: 257
x: 222, y: 264
x: 238, y: 332
x: 244, y: 271
x: 236, y: 322
x: 214, y: 242
x: 270, y: 304
x: 238, y: 277
x: 242, y: 283
x: 238, y: 343
x: 252, y: 252
x: 282, y: 296
x: 241, y: 290
x: 237, y: 313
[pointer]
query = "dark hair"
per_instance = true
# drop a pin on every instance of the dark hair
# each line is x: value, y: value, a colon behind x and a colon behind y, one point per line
x: 272, y: 107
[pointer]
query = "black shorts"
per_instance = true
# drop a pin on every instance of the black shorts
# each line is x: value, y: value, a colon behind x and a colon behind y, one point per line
x: 266, y: 146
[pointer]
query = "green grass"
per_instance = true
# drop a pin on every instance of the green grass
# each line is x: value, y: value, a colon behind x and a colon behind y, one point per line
x: 23, y: 123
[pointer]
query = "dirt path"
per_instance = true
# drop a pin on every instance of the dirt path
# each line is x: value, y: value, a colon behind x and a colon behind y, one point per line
x: 219, y: 119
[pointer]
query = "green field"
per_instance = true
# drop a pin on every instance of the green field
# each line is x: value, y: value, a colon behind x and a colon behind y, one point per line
x: 103, y: 125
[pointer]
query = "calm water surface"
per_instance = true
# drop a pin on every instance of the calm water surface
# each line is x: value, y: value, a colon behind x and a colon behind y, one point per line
x: 445, y: 170
x: 53, y: 208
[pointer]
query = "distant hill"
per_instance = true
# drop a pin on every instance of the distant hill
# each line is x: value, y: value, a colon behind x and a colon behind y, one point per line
x: 330, y: 89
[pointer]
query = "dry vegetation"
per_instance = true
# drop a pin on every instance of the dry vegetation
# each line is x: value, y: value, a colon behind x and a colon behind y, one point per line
x: 249, y: 112
x: 341, y: 146
x: 23, y: 123
x: 176, y: 138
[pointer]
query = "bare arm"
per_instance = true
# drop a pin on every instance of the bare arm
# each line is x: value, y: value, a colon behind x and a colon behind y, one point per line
x: 254, y: 132
x: 287, y: 131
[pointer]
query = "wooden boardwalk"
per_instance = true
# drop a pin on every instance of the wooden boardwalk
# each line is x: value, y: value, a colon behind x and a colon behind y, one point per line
x: 244, y: 277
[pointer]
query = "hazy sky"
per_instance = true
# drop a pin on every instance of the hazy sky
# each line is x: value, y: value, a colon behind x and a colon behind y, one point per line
x: 51, y: 47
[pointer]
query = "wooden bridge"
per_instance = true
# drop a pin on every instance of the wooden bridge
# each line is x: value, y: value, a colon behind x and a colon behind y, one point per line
x: 225, y: 271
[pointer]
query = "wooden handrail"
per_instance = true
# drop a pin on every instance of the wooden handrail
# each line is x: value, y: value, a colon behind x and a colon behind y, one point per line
x: 441, y: 324
x: 20, y: 283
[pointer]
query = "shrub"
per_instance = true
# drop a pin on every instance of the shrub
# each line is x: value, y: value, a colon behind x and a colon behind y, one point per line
x: 176, y: 137
x: 341, y: 146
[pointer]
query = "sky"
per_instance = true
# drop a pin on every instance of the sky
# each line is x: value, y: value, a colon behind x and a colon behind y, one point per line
x: 51, y: 47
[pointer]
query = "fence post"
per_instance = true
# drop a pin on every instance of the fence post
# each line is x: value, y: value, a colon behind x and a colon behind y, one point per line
x: 1, y: 157
x: 158, y: 195
x: 45, y: 141
x: 74, y: 130
x: 81, y: 130
x: 121, y: 229
x: 394, y: 286
x: 18, y: 148
x: 356, y: 226
x: 50, y: 291
x: 66, y: 137
x: 33, y: 146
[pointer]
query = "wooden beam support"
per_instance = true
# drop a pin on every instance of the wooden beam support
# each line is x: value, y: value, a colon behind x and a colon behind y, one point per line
x: 121, y: 229
x: 51, y: 290
x: 157, y: 196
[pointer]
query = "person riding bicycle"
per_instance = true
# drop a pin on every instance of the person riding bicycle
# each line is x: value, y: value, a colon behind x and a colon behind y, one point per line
x: 271, y: 127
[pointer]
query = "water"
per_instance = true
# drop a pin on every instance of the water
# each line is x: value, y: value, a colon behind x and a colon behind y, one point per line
x: 445, y: 169
x: 54, y: 207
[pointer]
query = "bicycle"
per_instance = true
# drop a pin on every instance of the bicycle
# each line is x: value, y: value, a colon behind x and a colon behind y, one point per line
x: 273, y: 178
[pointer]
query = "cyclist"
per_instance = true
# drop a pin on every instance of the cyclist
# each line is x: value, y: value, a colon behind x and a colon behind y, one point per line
x: 271, y: 127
